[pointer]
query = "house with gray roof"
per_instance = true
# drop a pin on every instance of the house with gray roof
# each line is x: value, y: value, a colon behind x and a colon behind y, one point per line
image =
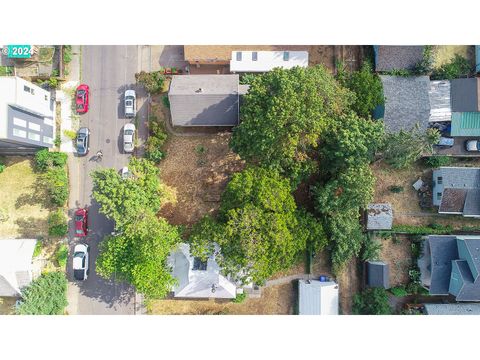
x: 197, y: 278
x: 456, y: 190
x: 390, y: 57
x: 379, y: 216
x: 27, y: 117
x: 317, y: 297
x: 451, y: 265
x: 452, y: 309
x: 205, y: 100
x: 377, y: 274
x: 465, y: 95
x: 16, y: 269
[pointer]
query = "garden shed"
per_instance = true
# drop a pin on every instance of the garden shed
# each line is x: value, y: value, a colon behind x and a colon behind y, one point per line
x: 317, y: 297
x: 379, y: 216
x: 378, y: 274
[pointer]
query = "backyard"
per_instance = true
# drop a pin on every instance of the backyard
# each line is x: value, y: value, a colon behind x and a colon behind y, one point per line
x: 445, y: 53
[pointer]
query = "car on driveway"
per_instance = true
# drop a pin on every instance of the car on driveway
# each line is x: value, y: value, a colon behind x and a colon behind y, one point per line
x: 472, y: 145
x: 128, y: 138
x: 445, y: 142
x: 82, y: 98
x: 80, y: 262
x: 130, y: 103
x: 83, y: 141
x: 81, y: 222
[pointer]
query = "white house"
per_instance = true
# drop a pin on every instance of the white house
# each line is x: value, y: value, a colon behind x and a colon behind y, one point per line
x: 199, y: 279
x: 15, y: 265
x: 27, y: 117
x: 317, y: 297
x: 263, y: 61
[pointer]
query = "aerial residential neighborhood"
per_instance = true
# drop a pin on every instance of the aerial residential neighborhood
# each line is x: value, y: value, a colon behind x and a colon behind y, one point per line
x: 250, y: 179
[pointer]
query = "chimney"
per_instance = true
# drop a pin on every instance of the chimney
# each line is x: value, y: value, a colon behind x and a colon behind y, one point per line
x: 199, y: 90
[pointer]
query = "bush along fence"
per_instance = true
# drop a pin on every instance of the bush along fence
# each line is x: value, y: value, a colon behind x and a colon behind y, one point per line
x: 433, y: 229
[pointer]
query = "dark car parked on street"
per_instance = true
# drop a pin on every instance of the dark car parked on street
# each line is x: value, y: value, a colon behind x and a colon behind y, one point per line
x: 83, y: 141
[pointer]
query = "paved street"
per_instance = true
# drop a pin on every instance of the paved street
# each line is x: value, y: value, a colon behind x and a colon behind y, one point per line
x: 109, y: 71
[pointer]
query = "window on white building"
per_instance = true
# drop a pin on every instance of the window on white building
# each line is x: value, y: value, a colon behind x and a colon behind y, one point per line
x: 19, y: 133
x: 33, y: 136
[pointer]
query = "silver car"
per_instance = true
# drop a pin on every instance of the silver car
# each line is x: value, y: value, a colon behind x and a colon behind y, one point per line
x: 130, y: 103
x: 128, y: 138
x: 472, y: 145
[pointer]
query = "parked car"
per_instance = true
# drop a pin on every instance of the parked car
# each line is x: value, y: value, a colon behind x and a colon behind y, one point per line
x: 128, y: 138
x: 130, y: 103
x: 445, y: 142
x: 125, y: 173
x: 83, y: 141
x: 80, y: 262
x: 82, y: 98
x: 472, y: 145
x: 81, y: 222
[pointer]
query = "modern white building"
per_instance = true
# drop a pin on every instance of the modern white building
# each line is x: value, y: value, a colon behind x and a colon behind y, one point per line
x: 263, y: 61
x: 15, y: 265
x: 317, y: 297
x: 27, y: 117
x: 199, y: 279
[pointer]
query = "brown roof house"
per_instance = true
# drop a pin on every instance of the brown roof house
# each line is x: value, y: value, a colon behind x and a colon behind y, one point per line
x: 205, y: 100
x: 456, y: 190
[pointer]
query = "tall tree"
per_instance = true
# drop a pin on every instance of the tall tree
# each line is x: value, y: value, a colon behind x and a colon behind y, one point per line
x: 139, y: 255
x: 283, y: 116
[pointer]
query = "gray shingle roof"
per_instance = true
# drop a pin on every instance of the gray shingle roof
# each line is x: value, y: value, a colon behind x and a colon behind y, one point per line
x: 465, y: 95
x: 453, y: 309
x: 472, y: 203
x: 379, y: 216
x: 406, y: 102
x: 443, y: 249
x: 378, y: 274
x: 397, y: 57
x: 204, y: 100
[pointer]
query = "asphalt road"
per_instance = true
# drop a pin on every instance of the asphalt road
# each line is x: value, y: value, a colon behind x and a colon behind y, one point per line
x: 109, y: 71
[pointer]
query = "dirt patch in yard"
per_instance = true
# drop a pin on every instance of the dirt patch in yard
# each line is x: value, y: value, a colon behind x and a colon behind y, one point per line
x: 444, y: 53
x: 328, y: 55
x: 196, y: 171
x: 398, y: 255
x: 23, y: 200
x: 7, y: 305
x: 275, y: 300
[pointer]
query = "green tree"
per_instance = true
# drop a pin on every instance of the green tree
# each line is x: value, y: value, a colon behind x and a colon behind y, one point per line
x: 203, y: 237
x: 152, y: 81
x: 402, y: 149
x: 283, y: 116
x: 366, y: 85
x: 55, y: 180
x: 139, y: 254
x: 350, y: 189
x: 57, y: 223
x: 46, y: 295
x: 125, y: 200
x: 372, y: 301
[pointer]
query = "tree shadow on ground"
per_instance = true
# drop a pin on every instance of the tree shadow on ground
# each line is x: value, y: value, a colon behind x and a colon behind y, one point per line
x: 30, y: 227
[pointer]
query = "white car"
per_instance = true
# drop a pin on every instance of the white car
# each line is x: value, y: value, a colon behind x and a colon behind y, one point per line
x: 130, y: 103
x: 128, y: 138
x: 80, y: 262
x: 472, y: 145
x: 125, y: 173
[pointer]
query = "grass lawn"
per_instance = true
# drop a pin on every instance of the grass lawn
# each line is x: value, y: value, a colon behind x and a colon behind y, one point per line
x: 6, y: 70
x: 23, y: 200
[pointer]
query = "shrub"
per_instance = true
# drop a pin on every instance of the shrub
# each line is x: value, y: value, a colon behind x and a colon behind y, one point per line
x: 372, y: 301
x: 414, y: 274
x: 2, y: 167
x: 415, y: 288
x: 432, y: 229
x: 70, y: 134
x: 156, y: 140
x: 166, y: 102
x: 61, y: 255
x: 371, y: 249
x: 396, y: 189
x: 457, y: 67
x: 45, y: 159
x: 416, y: 249
x: 200, y: 149
x: 437, y: 161
x: 399, y: 291
x: 67, y: 54
x: 425, y: 66
x: 153, y: 81
x: 57, y: 223
x: 38, y: 248
x: 240, y: 298
x: 58, y: 141
x: 56, y: 183
x: 46, y: 295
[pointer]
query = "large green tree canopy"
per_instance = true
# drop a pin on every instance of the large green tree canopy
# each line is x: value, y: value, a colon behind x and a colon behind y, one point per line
x: 283, y: 116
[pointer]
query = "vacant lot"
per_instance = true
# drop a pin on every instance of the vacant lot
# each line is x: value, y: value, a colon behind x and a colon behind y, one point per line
x: 22, y: 200
x: 196, y: 171
x: 444, y: 53
x: 275, y: 300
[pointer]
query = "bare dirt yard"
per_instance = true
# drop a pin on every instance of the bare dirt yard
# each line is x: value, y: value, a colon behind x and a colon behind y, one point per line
x: 444, y: 53
x: 398, y: 254
x: 196, y: 171
x: 275, y: 300
x: 22, y: 200
x: 328, y: 55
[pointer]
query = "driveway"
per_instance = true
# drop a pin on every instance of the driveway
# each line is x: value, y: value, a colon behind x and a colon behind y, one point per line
x: 109, y: 71
x: 458, y: 148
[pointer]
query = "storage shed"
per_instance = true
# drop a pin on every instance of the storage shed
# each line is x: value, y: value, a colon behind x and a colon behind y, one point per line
x: 317, y: 297
x: 378, y: 274
x: 379, y: 216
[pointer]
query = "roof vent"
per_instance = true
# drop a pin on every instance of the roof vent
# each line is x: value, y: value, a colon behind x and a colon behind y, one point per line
x: 214, y: 288
x: 199, y: 90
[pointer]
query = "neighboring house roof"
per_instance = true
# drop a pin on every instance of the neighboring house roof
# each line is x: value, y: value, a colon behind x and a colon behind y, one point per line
x: 451, y: 265
x: 379, y: 216
x: 204, y: 100
x: 465, y: 124
x: 477, y: 58
x: 197, y: 279
x: 15, y: 265
x: 317, y: 298
x: 456, y: 190
x: 389, y: 58
x: 221, y: 54
x: 465, y: 95
x: 407, y: 102
x: 27, y: 112
x: 262, y: 61
x: 440, y: 101
x: 378, y: 274
x: 453, y: 309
